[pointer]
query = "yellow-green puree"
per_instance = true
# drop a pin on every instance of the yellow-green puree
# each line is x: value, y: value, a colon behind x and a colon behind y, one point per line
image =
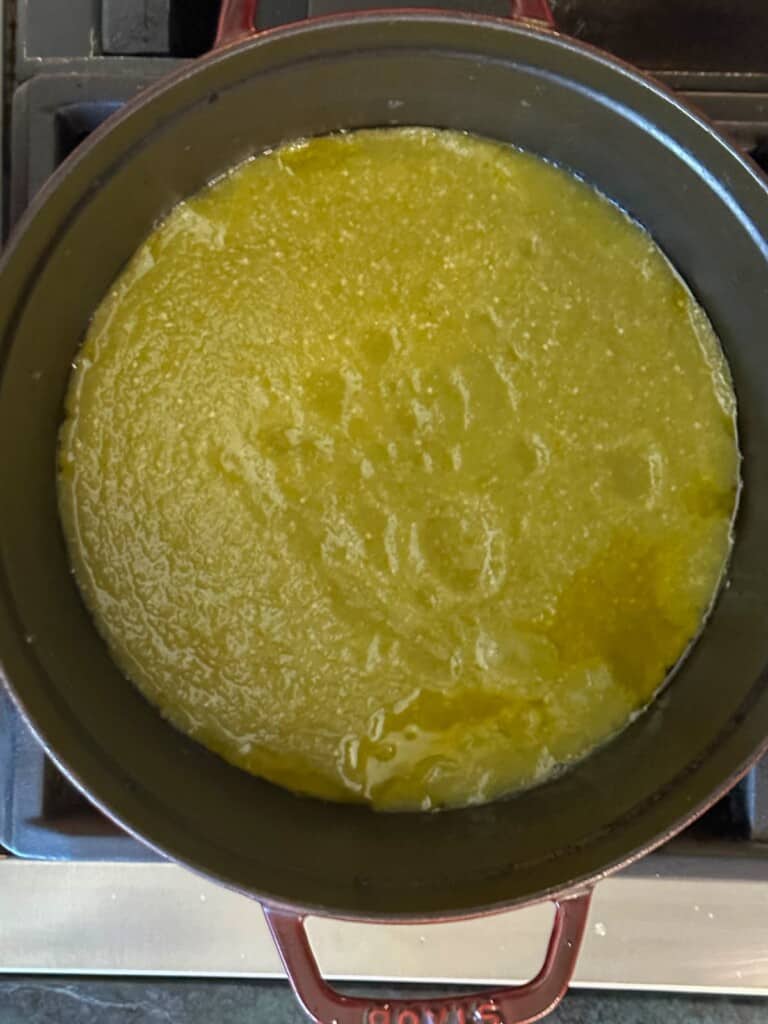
x: 399, y: 466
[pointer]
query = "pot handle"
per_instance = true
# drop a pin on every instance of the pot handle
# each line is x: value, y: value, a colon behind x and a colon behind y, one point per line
x: 236, y: 22
x: 237, y: 17
x: 517, y: 1005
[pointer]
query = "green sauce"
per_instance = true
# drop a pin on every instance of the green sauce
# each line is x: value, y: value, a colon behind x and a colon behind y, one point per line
x: 399, y: 467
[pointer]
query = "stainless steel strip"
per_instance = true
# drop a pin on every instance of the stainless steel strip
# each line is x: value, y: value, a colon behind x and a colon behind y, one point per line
x: 645, y: 932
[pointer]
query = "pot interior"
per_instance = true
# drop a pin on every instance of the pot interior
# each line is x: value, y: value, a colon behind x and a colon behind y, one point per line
x: 706, y: 209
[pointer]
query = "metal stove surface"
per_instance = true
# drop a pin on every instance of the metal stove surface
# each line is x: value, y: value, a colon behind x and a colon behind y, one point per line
x: 688, y: 917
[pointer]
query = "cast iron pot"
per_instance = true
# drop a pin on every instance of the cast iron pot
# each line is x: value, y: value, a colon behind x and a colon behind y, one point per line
x: 515, y: 81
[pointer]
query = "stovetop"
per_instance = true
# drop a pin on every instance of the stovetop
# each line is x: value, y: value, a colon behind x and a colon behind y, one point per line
x: 68, y: 66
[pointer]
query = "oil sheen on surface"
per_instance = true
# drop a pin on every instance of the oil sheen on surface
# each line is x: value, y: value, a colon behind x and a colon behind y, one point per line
x: 399, y: 467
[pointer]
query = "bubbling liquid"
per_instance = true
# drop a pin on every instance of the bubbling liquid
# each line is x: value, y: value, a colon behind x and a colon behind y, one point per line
x: 399, y: 467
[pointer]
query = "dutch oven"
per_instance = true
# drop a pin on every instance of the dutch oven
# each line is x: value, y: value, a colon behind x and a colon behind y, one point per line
x: 512, y: 79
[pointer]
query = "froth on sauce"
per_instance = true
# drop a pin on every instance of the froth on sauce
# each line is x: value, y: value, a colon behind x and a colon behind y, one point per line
x: 399, y: 466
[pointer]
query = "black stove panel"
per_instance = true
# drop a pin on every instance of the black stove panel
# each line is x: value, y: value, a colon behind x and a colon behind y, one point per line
x: 673, y: 35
